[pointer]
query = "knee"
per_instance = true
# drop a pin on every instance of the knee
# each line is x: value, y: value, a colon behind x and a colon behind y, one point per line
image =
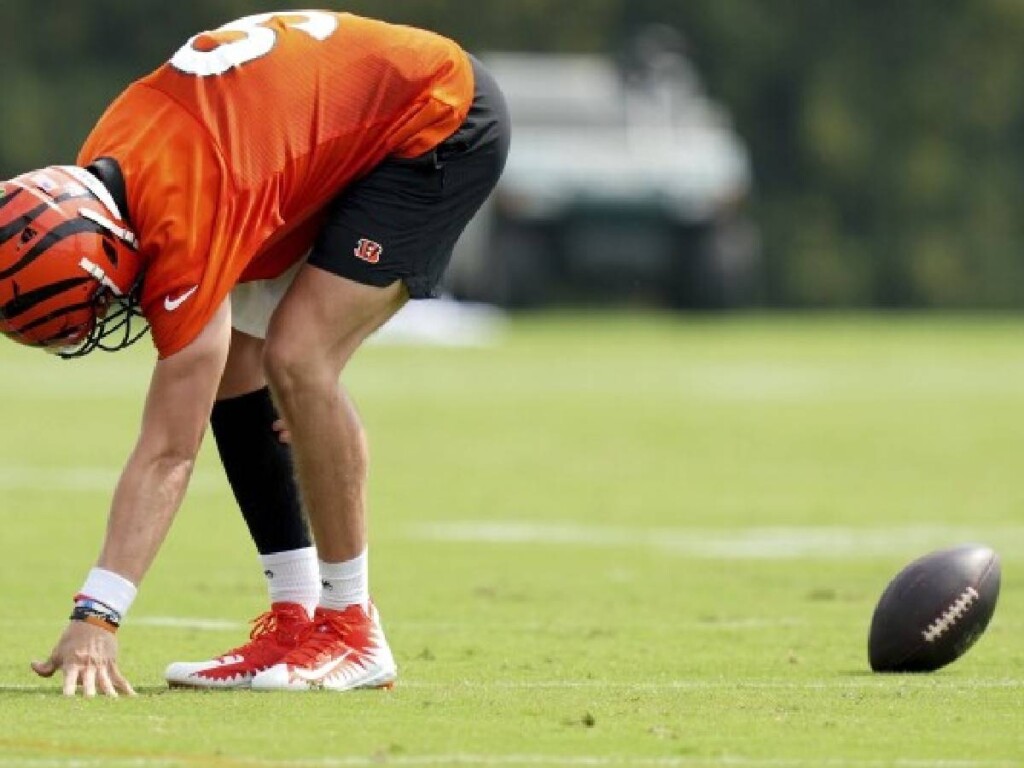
x: 293, y: 373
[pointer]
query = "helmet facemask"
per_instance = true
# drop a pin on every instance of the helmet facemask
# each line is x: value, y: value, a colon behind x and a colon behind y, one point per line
x: 119, y: 322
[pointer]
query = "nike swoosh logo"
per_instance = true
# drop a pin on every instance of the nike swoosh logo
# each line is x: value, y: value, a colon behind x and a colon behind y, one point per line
x: 172, y: 304
x: 316, y: 675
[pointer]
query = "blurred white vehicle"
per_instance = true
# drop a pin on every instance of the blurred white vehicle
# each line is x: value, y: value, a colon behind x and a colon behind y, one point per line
x: 624, y: 181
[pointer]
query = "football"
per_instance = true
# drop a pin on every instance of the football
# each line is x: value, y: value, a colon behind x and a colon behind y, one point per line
x: 934, y: 610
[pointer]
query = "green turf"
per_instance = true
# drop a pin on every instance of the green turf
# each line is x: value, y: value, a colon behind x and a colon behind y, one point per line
x: 606, y: 540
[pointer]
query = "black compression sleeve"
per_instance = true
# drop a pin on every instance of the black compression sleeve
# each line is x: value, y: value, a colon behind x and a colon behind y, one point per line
x: 259, y: 469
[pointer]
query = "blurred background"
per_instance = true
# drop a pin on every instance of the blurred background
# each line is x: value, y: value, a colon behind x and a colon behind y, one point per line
x: 706, y: 154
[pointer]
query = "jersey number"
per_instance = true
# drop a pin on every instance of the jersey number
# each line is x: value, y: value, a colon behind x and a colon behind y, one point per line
x: 241, y: 41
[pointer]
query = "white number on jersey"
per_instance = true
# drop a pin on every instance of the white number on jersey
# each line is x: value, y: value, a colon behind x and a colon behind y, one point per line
x: 258, y: 40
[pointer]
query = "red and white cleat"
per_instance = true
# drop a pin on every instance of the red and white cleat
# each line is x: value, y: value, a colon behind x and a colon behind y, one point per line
x: 342, y: 651
x: 273, y: 635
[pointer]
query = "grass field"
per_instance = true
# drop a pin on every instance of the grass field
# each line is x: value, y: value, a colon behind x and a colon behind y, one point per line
x: 602, y: 541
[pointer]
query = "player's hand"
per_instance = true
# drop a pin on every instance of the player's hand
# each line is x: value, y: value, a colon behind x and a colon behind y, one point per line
x: 283, y: 434
x: 87, y: 655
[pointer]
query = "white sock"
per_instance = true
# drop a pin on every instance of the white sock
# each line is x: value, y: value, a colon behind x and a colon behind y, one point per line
x: 346, y: 584
x: 293, y: 577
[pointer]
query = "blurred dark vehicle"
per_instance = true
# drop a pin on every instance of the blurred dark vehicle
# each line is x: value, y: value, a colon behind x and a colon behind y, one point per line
x: 624, y: 183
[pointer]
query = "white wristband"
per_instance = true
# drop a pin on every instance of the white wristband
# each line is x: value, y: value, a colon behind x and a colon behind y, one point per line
x: 110, y: 589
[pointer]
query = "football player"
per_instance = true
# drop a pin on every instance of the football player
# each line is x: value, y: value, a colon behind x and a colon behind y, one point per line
x: 263, y: 201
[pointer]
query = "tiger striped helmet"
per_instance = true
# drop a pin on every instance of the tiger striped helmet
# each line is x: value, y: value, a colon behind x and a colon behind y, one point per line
x: 67, y: 258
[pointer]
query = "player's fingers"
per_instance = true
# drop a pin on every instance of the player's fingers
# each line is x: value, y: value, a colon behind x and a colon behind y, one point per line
x: 283, y: 434
x: 103, y: 682
x: 89, y: 681
x: 71, y: 672
x: 120, y: 683
x: 45, y: 668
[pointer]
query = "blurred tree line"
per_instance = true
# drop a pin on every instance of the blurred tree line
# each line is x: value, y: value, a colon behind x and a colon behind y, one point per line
x: 887, y: 137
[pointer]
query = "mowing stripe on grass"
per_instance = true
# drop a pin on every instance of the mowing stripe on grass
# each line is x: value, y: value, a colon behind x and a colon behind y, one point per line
x: 86, y: 479
x: 868, y: 683
x: 182, y: 622
x: 599, y: 761
x: 874, y: 682
x: 761, y: 543
x: 732, y: 623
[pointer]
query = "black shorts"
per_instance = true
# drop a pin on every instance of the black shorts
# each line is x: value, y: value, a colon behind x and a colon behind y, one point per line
x: 401, y: 221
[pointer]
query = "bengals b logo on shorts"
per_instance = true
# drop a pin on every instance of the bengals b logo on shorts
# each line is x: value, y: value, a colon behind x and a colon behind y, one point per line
x: 368, y: 251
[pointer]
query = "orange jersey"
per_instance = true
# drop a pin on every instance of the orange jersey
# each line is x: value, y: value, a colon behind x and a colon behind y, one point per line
x: 232, y: 149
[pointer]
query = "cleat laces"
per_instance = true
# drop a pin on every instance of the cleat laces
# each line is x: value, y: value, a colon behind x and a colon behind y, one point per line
x: 266, y: 634
x: 320, y: 640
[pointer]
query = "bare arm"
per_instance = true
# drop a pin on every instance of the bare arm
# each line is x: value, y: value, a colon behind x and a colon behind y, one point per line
x: 153, y: 483
x: 147, y: 497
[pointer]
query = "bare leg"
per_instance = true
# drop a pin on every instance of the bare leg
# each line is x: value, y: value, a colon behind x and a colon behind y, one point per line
x: 243, y: 372
x: 318, y: 326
